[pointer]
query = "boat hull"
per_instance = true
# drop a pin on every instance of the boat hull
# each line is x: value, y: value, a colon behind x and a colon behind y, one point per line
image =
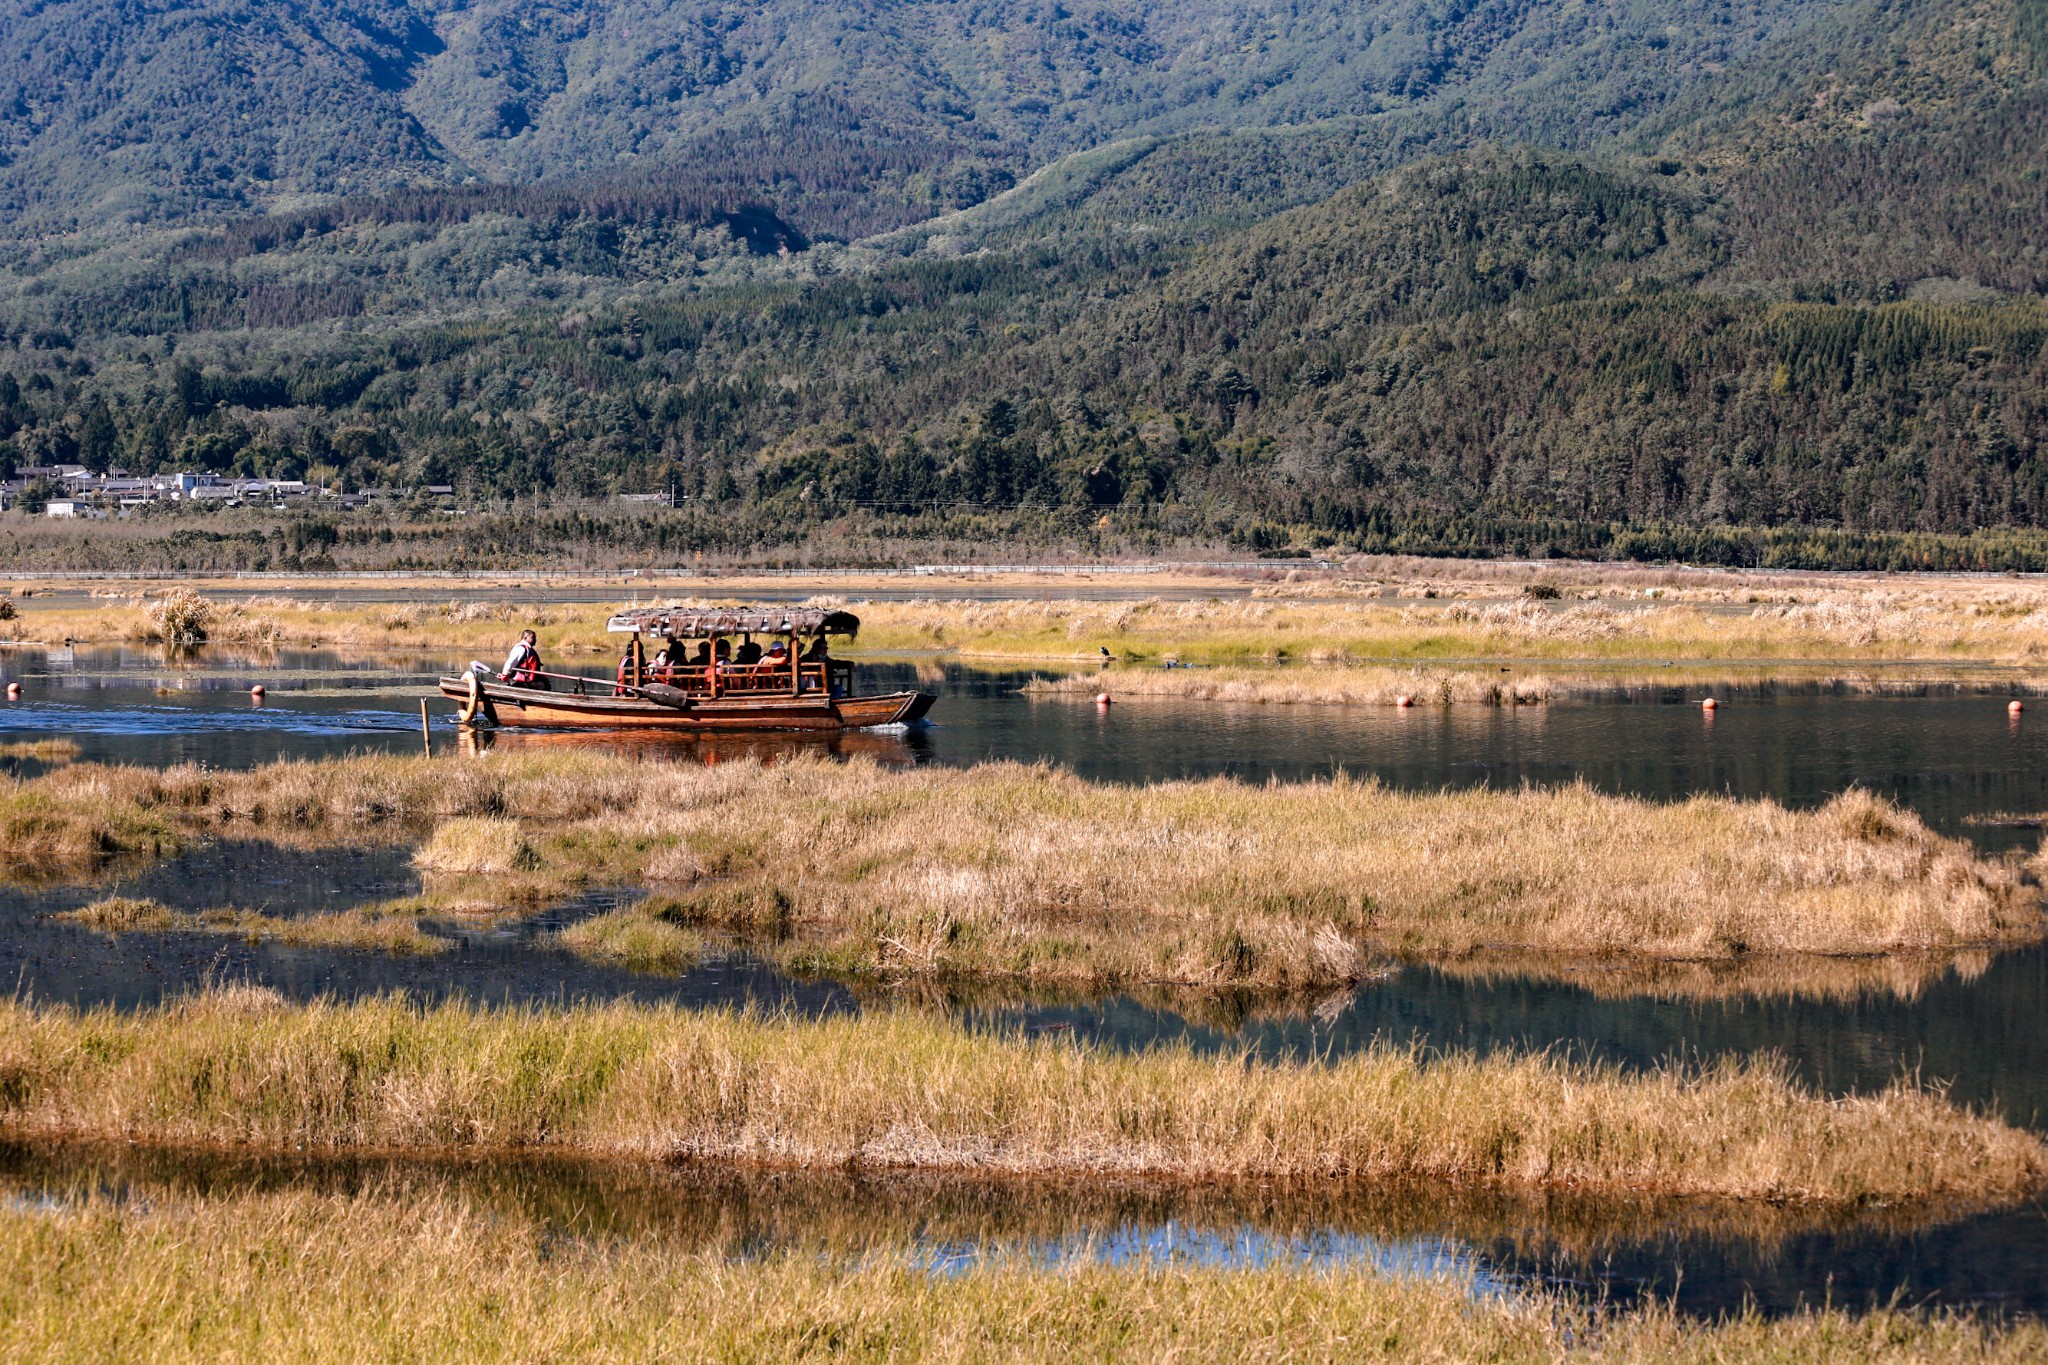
x: 522, y: 706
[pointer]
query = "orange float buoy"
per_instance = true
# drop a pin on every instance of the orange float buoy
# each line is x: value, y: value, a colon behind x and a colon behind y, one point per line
x: 257, y: 691
x: 1710, y: 705
x: 1102, y: 698
x: 2013, y: 708
x: 14, y: 691
x: 1404, y: 701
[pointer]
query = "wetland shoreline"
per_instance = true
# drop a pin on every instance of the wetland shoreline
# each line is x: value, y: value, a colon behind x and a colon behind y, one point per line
x: 1415, y: 615
x: 239, y: 1069
x: 1004, y: 870
x: 381, y: 1275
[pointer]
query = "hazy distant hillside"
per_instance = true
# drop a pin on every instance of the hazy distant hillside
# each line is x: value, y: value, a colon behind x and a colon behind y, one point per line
x: 114, y: 109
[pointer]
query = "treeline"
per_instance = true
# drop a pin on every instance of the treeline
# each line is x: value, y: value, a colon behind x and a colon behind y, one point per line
x: 769, y: 537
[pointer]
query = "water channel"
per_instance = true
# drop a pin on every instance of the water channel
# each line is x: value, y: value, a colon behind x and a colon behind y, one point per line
x: 1978, y: 1023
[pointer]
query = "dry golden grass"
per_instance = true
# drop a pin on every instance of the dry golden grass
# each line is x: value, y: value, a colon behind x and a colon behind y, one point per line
x: 904, y: 1091
x: 1030, y: 872
x: 51, y: 751
x: 48, y: 836
x: 121, y: 915
x: 1845, y: 980
x: 477, y: 845
x: 1353, y: 685
x: 1488, y: 685
x: 633, y: 939
x: 379, y: 1276
x: 1410, y: 612
x: 372, y: 928
x: 1966, y: 622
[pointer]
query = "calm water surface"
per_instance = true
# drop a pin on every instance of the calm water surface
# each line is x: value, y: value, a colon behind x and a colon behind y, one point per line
x: 1977, y: 1024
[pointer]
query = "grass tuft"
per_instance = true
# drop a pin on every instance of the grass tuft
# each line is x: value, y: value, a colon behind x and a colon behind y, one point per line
x: 478, y: 845
x: 634, y: 937
x: 122, y: 914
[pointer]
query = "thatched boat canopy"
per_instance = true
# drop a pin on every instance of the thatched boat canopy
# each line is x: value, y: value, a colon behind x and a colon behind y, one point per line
x: 704, y: 623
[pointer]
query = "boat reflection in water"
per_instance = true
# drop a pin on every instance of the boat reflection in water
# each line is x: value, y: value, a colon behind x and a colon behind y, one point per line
x: 897, y: 747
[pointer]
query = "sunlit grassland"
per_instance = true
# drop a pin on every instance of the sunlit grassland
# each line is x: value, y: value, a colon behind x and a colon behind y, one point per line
x: 1427, y: 686
x: 1405, y: 620
x: 307, y: 1276
x: 1029, y: 872
x: 903, y: 1091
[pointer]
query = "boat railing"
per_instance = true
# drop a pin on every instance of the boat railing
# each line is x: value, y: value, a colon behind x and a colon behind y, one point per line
x: 724, y: 679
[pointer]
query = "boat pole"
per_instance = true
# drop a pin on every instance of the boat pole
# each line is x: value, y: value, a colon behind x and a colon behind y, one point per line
x: 426, y: 735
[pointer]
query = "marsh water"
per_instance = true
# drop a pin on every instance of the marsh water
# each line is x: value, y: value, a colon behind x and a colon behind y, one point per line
x: 1977, y: 1023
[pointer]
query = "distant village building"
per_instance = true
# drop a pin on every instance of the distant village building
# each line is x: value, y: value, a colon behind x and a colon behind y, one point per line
x: 90, y: 494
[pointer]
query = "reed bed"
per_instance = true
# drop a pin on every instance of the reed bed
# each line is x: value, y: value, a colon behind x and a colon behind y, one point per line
x: 329, y: 1277
x: 1489, y: 685
x: 371, y: 928
x: 1009, y: 870
x: 1964, y: 624
x: 906, y: 1092
x: 1413, y: 614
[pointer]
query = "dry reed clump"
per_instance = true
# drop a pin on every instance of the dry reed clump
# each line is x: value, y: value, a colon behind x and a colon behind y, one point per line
x: 121, y: 914
x: 370, y: 928
x: 372, y: 1275
x: 902, y: 1091
x: 629, y: 937
x: 1525, y: 620
x: 477, y: 845
x: 48, y: 835
x: 180, y: 617
x: 52, y: 751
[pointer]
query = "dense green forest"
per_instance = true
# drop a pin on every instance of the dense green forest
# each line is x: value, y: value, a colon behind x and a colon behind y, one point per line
x: 1742, y: 283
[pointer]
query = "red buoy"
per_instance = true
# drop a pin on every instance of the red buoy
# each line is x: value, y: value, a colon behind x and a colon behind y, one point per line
x: 14, y: 691
x: 2013, y: 708
x: 257, y: 691
x: 1710, y: 705
x: 1404, y: 701
x: 1102, y: 698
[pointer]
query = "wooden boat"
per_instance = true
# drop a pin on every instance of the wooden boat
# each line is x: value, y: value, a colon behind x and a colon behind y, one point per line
x: 796, y: 693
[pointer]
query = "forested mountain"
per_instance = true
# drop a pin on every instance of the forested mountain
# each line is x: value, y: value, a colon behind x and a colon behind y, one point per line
x: 157, y: 108
x: 1616, y: 278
